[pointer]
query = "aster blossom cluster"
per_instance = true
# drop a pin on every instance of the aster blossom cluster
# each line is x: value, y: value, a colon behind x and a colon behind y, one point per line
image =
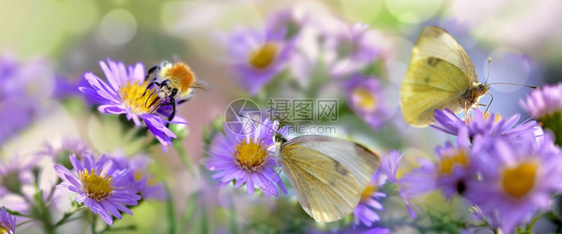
x: 294, y: 46
x: 109, y: 185
x: 508, y: 171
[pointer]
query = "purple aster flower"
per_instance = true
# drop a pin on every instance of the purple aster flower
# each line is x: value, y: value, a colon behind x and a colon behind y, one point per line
x: 16, y: 175
x: 100, y: 186
x: 64, y: 87
x: 14, y: 116
x: 378, y: 230
x: 484, y: 124
x: 449, y: 174
x: 389, y: 166
x: 365, y: 210
x: 246, y: 159
x: 516, y: 179
x: 7, y: 222
x: 20, y: 177
x: 23, y: 86
x: 259, y: 55
x: 125, y: 94
x: 545, y: 105
x: 32, y: 79
x: 138, y: 165
x: 366, y: 98
x: 544, y: 102
x: 61, y: 151
x: 356, y: 48
x: 287, y: 20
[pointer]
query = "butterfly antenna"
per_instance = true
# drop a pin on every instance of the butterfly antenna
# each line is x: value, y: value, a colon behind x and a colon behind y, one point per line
x: 489, y: 69
x: 253, y: 120
x: 522, y: 85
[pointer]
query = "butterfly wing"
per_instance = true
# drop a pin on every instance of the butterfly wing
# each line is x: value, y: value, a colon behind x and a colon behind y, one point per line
x: 426, y: 88
x: 438, y: 43
x: 328, y: 174
x: 440, y: 71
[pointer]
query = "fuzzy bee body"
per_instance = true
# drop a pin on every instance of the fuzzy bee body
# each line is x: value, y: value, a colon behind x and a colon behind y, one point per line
x: 174, y: 84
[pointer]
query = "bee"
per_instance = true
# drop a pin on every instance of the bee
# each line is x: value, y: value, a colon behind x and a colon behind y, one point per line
x: 174, y: 82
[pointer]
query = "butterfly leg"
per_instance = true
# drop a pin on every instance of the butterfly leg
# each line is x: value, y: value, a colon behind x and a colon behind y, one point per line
x: 465, y: 119
x: 489, y: 104
x: 271, y: 180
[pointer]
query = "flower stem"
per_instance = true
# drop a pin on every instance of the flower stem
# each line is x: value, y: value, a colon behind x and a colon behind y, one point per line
x: 25, y: 222
x: 12, y: 212
x: 93, y: 227
x: 532, y: 223
x: 131, y: 227
x: 65, y: 218
x: 44, y: 215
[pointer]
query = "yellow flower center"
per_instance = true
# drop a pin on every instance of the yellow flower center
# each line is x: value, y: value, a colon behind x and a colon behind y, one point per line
x: 250, y: 156
x: 458, y: 157
x: 365, y: 99
x: 4, y: 228
x: 264, y: 56
x: 368, y: 192
x: 519, y: 180
x: 496, y: 118
x: 96, y: 186
x: 138, y: 98
x: 139, y: 174
x: 486, y: 115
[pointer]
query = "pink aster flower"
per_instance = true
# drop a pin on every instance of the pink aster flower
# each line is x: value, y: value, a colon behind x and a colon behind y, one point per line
x: 544, y: 102
x: 545, y: 105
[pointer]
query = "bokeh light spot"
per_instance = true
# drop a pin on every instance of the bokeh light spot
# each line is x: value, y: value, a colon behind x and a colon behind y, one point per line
x: 413, y: 11
x: 118, y: 27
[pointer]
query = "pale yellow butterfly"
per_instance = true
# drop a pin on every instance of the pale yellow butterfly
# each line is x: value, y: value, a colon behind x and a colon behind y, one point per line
x: 440, y: 76
x: 327, y: 174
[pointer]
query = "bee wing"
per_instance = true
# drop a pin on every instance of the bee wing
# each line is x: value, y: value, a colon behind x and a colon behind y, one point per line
x: 200, y: 84
x: 328, y: 174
